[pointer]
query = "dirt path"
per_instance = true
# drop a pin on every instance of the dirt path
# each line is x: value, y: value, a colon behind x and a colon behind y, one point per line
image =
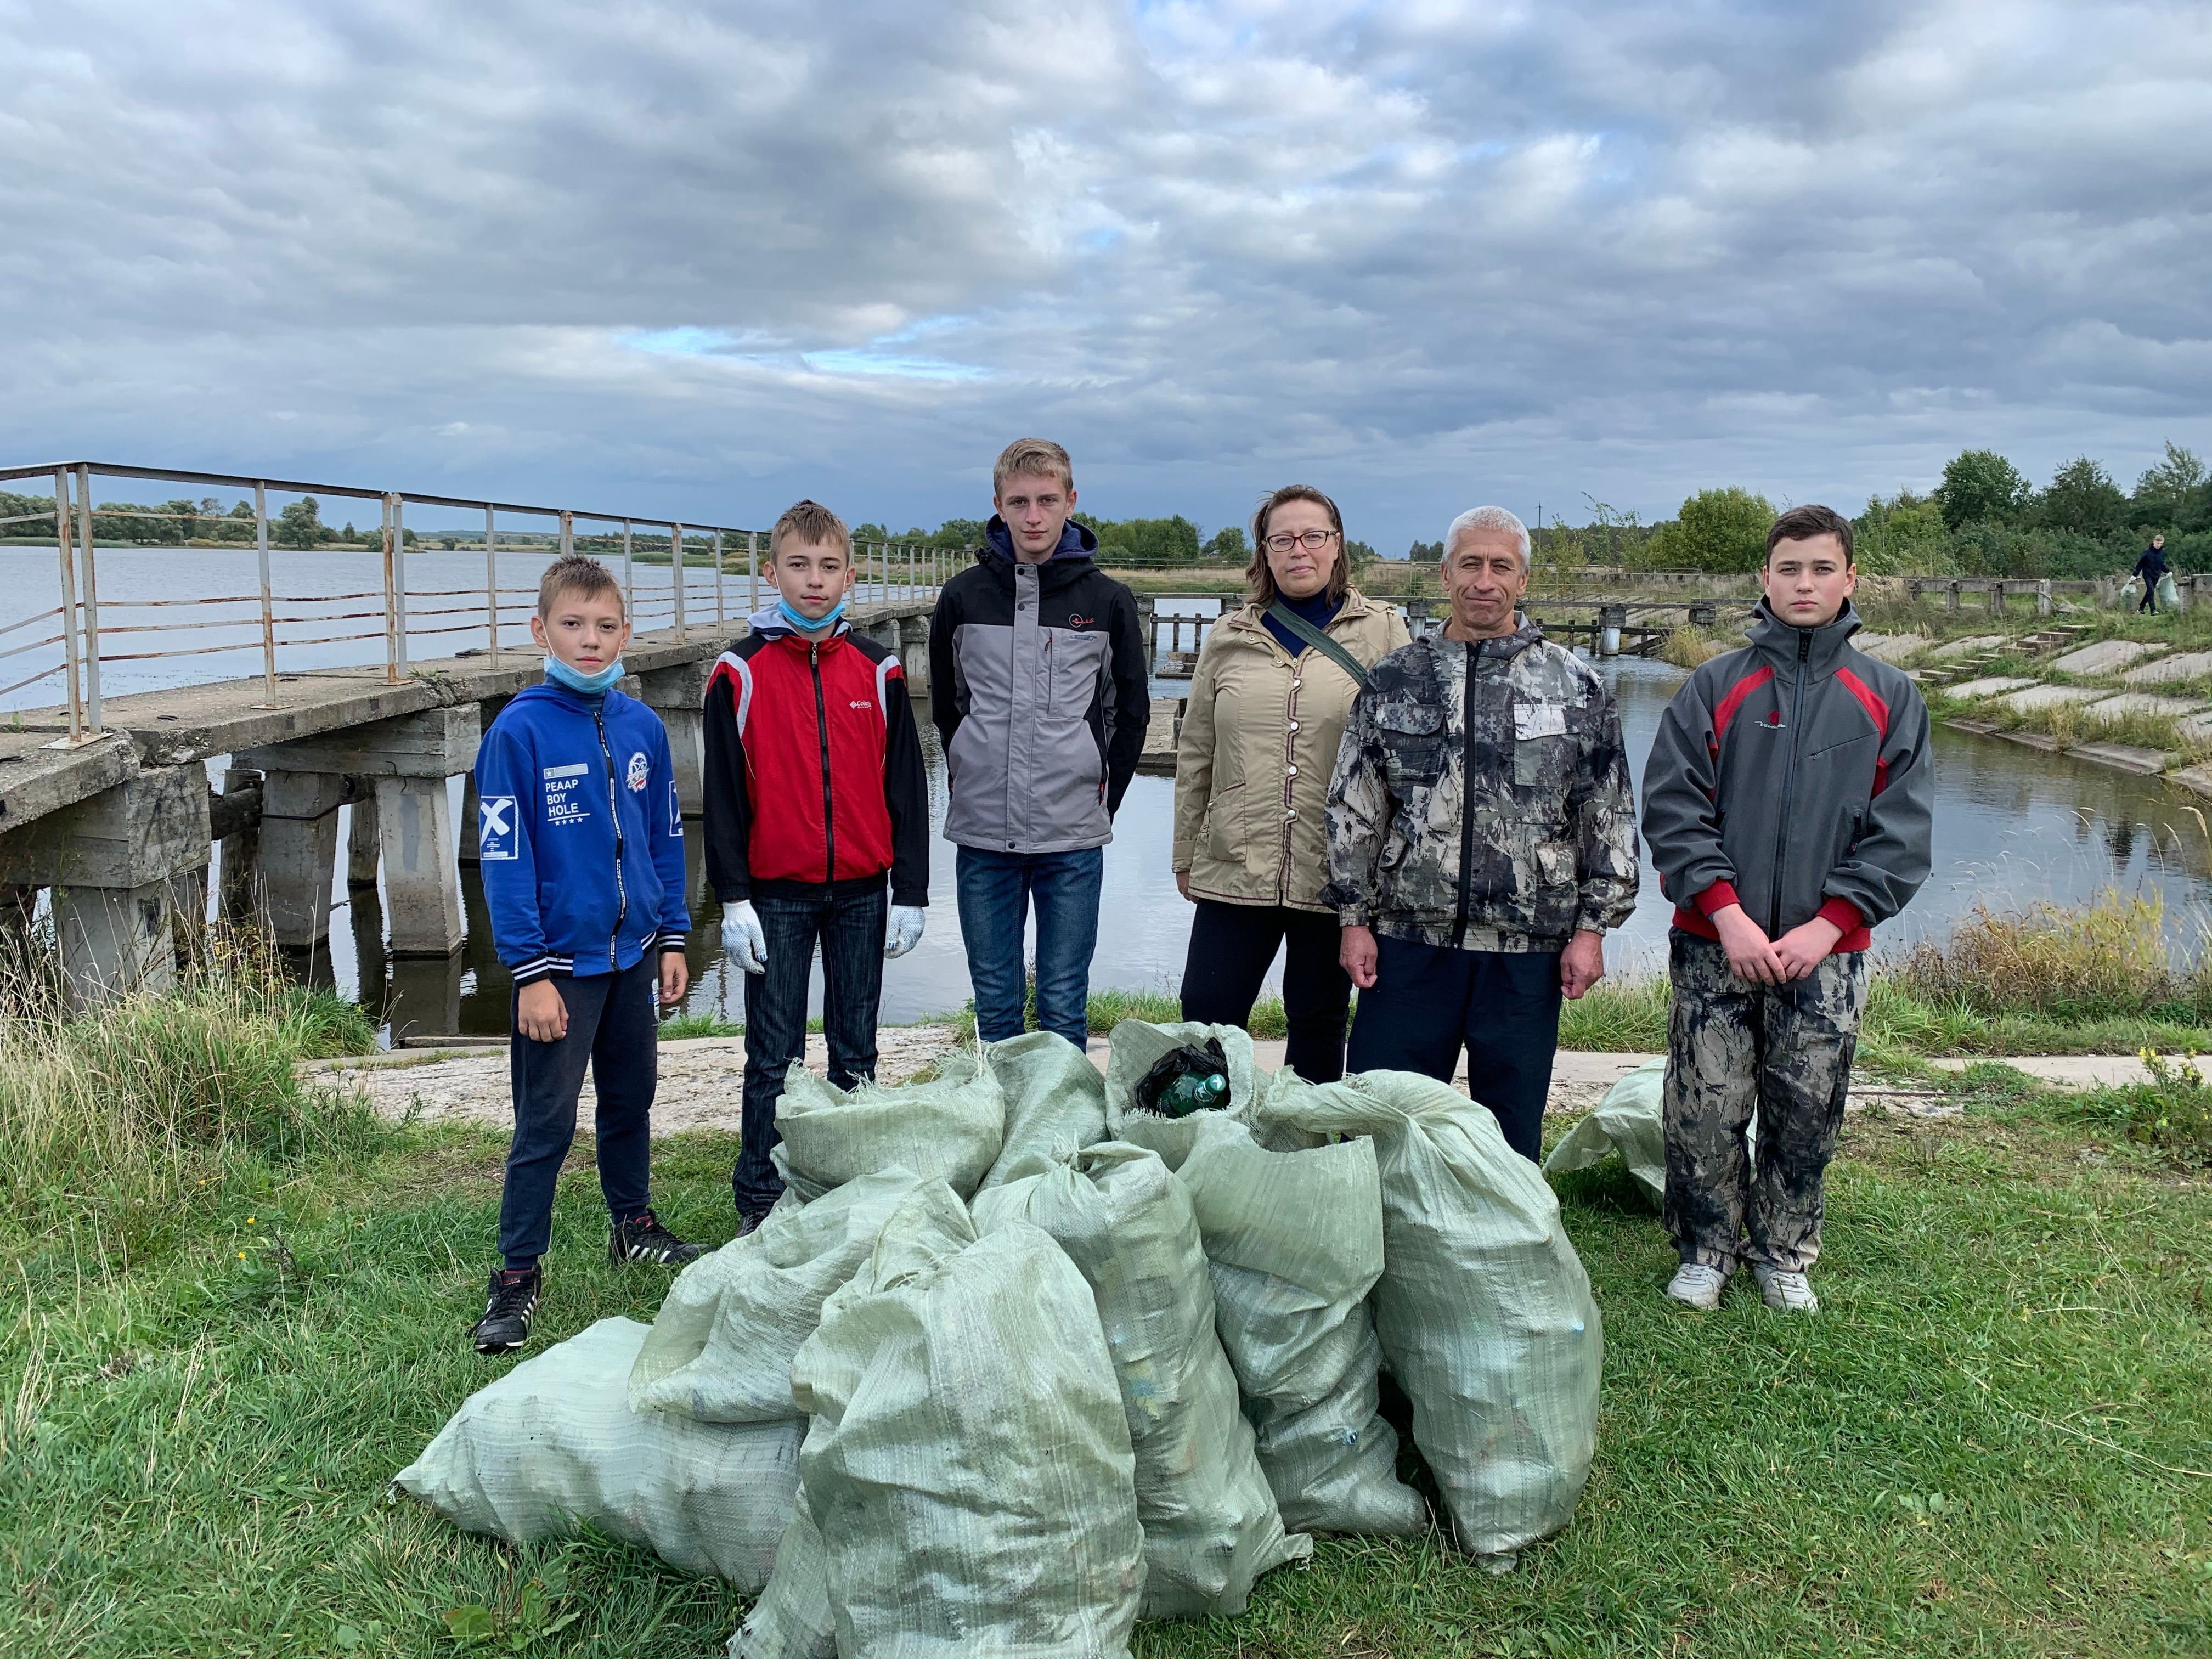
x: 699, y: 1077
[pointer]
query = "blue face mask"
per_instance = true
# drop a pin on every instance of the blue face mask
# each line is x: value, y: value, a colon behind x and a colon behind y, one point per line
x: 806, y: 624
x: 590, y: 685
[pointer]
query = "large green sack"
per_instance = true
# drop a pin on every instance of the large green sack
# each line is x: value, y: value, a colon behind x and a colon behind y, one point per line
x: 969, y: 1467
x: 948, y: 1129
x: 1628, y: 1121
x: 720, y: 1348
x: 792, y: 1620
x: 1134, y: 1044
x: 1211, y: 1527
x: 1294, y: 1243
x: 1056, y: 1099
x: 555, y: 1441
x: 1484, y: 1310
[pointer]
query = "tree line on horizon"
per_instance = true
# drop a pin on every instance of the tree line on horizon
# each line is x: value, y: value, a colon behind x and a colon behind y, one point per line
x: 1984, y: 517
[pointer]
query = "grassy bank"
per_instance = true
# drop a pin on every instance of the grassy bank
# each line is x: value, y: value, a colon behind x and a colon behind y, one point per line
x: 1985, y: 1443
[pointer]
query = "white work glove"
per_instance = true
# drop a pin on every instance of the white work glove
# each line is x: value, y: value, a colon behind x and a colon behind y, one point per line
x: 906, y: 929
x: 743, y: 941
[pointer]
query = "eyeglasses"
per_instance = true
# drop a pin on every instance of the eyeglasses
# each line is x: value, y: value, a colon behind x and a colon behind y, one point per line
x: 1313, y: 541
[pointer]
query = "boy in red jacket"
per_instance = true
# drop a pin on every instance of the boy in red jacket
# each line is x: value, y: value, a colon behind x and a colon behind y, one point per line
x: 814, y: 795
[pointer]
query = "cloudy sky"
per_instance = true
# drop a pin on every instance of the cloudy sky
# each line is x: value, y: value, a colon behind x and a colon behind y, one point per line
x: 1424, y: 255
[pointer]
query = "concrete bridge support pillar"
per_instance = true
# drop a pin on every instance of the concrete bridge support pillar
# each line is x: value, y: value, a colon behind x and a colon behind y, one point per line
x: 2043, y: 597
x: 417, y: 837
x: 110, y: 860
x: 913, y: 657
x: 1611, y: 619
x: 421, y: 873
x: 1951, y: 596
x: 362, y: 839
x: 299, y: 851
x: 679, y: 696
x: 238, y: 898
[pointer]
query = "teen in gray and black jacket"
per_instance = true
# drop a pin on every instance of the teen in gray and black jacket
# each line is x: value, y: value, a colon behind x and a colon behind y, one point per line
x: 1788, y: 804
x: 1041, y: 693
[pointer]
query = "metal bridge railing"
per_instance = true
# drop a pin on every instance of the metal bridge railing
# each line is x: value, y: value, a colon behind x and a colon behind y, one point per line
x: 391, y: 611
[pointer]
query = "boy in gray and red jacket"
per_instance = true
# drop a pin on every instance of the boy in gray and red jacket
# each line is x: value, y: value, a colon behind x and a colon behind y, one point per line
x: 1788, y: 804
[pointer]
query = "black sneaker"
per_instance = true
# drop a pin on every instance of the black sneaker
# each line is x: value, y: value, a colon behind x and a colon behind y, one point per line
x: 646, y: 1240
x: 749, y: 1221
x: 509, y: 1301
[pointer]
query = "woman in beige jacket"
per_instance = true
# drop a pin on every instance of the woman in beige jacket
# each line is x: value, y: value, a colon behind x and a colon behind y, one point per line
x: 1260, y: 736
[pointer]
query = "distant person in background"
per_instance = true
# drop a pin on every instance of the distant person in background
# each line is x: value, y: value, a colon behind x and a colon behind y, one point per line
x: 1274, y: 688
x: 1481, y: 838
x: 1789, y: 802
x: 818, y: 828
x: 2151, y: 568
x: 1040, y: 693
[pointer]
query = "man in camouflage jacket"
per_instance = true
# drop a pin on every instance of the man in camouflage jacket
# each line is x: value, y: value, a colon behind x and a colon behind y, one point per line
x: 1790, y: 805
x: 1482, y: 839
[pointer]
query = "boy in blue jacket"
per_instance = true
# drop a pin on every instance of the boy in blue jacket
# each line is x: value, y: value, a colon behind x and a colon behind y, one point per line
x: 582, y: 851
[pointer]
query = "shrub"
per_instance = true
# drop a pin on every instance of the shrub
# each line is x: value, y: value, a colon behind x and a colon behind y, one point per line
x: 2103, y: 959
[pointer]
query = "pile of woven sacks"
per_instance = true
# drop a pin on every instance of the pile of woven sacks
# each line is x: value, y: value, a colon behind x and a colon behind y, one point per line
x: 1014, y: 1364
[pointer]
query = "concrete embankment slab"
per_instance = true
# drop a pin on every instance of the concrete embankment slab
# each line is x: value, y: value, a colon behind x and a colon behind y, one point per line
x: 2105, y: 657
x: 2050, y: 697
x: 2189, y: 665
x: 2142, y: 703
x: 1966, y: 647
x: 1973, y: 690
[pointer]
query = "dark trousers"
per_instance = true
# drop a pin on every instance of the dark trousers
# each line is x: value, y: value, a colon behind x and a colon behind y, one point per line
x: 613, y: 1021
x: 2149, y: 600
x: 1427, y: 999
x: 849, y: 925
x: 1232, y: 946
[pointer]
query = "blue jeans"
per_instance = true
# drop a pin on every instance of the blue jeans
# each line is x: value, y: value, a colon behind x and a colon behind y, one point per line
x: 849, y: 925
x: 1427, y: 999
x: 996, y: 890
x: 614, y: 1023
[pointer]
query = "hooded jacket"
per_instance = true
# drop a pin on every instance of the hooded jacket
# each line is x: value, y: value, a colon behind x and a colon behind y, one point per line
x: 1794, y: 778
x: 580, y: 834
x: 1041, y: 695
x: 1260, y: 736
x: 1481, y: 799
x: 822, y: 729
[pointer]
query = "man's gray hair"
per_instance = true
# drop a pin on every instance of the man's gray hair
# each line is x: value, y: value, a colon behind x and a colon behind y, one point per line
x: 1488, y: 518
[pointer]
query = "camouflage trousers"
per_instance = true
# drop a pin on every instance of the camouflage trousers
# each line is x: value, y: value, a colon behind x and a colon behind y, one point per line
x: 1738, y: 1053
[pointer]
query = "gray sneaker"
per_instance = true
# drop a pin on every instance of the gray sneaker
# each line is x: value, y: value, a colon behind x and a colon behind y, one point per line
x: 1785, y: 1292
x: 1696, y: 1285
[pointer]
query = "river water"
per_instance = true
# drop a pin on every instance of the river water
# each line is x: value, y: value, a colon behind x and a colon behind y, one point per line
x: 2013, y: 824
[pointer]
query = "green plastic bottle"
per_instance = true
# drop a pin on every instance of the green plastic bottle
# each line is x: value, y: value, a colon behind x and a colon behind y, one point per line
x: 1194, y: 1091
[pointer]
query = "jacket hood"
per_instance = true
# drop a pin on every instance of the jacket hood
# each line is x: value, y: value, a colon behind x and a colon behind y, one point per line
x: 1076, y: 541
x: 1773, y: 637
x: 769, y: 619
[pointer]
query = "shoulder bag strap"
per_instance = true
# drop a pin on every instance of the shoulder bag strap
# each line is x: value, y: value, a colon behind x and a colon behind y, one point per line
x: 1319, y: 641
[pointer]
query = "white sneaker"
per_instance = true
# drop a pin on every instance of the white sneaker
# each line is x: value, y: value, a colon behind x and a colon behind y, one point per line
x: 1698, y: 1285
x: 1785, y: 1292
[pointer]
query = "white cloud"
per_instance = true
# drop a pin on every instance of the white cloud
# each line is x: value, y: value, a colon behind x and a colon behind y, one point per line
x: 707, y: 260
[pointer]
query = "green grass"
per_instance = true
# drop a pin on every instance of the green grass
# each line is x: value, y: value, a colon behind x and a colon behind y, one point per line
x: 1972, y: 1451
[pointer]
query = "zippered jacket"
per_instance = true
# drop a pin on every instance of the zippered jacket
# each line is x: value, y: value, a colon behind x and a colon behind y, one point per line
x: 580, y: 834
x: 1259, y: 736
x: 1481, y: 799
x: 1041, y: 693
x: 814, y: 773
x: 1795, y: 778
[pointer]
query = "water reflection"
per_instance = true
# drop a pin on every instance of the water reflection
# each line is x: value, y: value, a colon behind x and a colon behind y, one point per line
x: 2013, y: 826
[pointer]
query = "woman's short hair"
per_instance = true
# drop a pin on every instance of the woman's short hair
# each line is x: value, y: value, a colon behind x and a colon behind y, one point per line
x: 1259, y: 578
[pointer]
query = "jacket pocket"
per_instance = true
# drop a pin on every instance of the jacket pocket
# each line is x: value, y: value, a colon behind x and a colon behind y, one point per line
x: 1224, y: 812
x: 1413, y: 744
x: 1543, y: 746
